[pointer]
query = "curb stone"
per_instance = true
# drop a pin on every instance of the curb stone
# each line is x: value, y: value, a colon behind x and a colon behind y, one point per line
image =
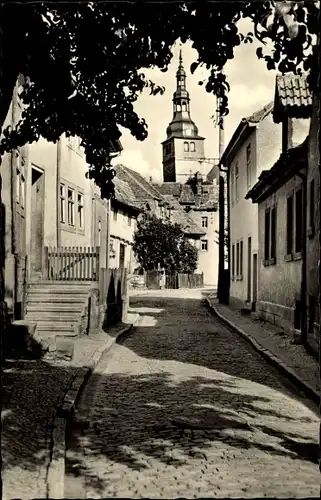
x: 56, y: 468
x: 309, y: 391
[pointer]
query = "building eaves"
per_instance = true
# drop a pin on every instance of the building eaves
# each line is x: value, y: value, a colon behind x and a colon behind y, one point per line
x: 288, y: 165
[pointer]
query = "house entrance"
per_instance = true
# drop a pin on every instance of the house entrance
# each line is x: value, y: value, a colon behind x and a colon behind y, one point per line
x: 37, y: 221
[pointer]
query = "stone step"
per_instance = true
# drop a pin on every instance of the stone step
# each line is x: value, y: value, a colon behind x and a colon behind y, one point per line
x: 53, y: 317
x: 62, y: 282
x: 63, y: 290
x: 55, y: 307
x: 56, y: 298
x: 55, y: 328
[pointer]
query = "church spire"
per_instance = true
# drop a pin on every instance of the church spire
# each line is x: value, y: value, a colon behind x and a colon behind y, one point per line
x: 181, y: 124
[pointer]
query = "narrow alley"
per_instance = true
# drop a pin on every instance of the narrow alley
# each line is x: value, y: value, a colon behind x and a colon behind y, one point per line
x: 185, y: 408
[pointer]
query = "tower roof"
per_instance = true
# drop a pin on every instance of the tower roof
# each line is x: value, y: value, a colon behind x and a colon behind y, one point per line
x: 181, y: 125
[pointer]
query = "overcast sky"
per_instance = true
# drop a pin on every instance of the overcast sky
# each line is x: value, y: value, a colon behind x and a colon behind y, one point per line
x: 252, y: 87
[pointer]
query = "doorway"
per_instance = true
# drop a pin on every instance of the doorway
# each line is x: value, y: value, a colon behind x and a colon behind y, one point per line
x: 254, y: 300
x: 249, y: 266
x: 37, y: 221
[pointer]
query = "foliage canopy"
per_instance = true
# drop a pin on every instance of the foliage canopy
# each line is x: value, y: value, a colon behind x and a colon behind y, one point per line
x: 84, y: 62
x: 159, y: 243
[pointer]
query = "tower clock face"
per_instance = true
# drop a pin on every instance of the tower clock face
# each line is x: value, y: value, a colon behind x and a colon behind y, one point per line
x: 188, y: 132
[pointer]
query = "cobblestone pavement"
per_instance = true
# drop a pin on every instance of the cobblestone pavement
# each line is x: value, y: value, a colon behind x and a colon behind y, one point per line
x: 31, y: 391
x: 277, y: 342
x: 185, y: 408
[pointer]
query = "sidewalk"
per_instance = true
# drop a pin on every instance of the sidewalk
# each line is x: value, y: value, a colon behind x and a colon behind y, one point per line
x: 274, y: 344
x: 32, y: 390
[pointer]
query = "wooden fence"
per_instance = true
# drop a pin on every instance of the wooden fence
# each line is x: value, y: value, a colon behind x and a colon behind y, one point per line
x: 178, y: 280
x: 71, y: 263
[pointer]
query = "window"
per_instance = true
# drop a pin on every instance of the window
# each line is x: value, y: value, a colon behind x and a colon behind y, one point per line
x: 62, y: 203
x: 289, y: 225
x: 241, y: 259
x: 270, y: 236
x: 298, y: 220
x: 80, y: 210
x: 204, y: 221
x: 267, y: 236
x: 115, y: 214
x: 129, y: 220
x: 248, y: 164
x: 273, y: 234
x: 186, y: 148
x: 20, y: 183
x: 193, y: 147
x: 99, y: 232
x: 178, y: 108
x: 181, y: 82
x: 236, y: 182
x: 71, y: 207
x: 237, y: 259
x: 233, y: 261
x: 184, y: 106
x: 311, y: 206
x: 232, y: 184
x: 204, y: 245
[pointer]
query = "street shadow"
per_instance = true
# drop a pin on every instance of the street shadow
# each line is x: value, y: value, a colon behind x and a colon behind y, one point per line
x: 154, y: 418
x: 199, y: 338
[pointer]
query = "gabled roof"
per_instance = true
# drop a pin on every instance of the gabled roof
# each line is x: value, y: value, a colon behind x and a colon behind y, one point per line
x: 185, y: 196
x: 292, y: 97
x: 179, y: 216
x: 142, y: 189
x: 288, y: 164
x: 172, y: 188
x: 124, y: 194
x: 244, y: 125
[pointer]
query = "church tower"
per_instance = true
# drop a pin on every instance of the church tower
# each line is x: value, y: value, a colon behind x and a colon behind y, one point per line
x: 183, y: 148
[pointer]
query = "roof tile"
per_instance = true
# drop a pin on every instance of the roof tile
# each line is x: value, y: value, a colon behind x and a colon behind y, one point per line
x: 292, y: 93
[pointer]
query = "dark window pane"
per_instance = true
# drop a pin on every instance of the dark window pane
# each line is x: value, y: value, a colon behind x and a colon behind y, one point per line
x: 267, y: 236
x: 298, y: 220
x: 273, y: 233
x: 312, y: 204
x: 289, y: 225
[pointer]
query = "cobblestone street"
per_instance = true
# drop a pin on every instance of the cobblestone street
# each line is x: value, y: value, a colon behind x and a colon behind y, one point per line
x: 185, y: 408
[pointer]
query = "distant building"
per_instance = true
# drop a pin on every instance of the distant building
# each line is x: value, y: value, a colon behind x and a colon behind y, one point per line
x: 183, y: 149
x: 184, y: 162
x: 199, y: 200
